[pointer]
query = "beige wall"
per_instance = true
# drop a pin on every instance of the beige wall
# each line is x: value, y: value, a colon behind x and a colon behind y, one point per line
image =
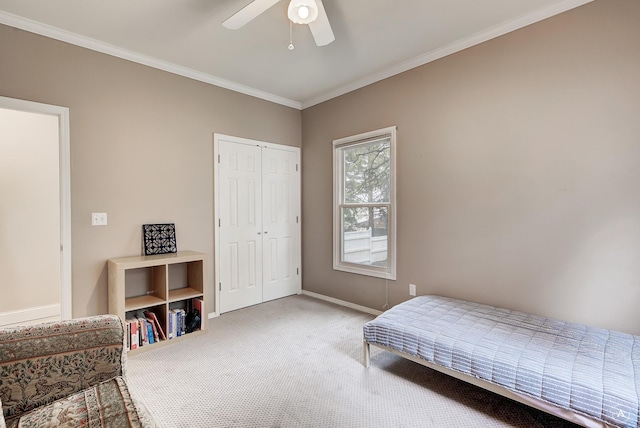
x: 519, y: 164
x: 141, y: 147
x: 518, y: 172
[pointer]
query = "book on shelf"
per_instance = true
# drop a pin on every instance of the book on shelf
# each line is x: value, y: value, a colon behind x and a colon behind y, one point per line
x: 133, y: 331
x: 176, y: 317
x: 199, y: 305
x: 157, y: 327
x: 150, y: 337
x: 179, y: 331
x: 127, y: 334
x: 182, y: 315
x: 154, y: 330
x: 172, y: 323
x: 142, y: 332
x: 144, y: 327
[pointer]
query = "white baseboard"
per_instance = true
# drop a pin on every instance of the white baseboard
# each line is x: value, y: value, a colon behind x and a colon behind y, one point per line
x: 31, y: 315
x: 341, y: 303
x: 327, y: 299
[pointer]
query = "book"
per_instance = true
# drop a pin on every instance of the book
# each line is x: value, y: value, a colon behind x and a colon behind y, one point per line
x: 133, y: 328
x: 172, y: 324
x: 159, y: 331
x: 142, y: 332
x: 199, y: 305
x: 150, y: 337
x: 154, y: 329
x: 127, y: 334
x: 182, y: 315
x: 177, y: 317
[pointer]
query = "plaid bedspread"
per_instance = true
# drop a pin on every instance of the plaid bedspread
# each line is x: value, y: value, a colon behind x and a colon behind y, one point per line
x: 591, y: 371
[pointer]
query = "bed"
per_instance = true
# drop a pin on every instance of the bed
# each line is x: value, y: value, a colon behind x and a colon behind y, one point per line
x: 589, y: 376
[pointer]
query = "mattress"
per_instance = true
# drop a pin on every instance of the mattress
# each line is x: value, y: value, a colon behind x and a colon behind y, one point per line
x: 589, y: 371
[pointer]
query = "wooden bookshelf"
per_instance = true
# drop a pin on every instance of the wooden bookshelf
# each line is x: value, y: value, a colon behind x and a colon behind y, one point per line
x: 159, y: 284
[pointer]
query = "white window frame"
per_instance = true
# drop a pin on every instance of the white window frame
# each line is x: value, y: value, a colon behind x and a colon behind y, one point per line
x: 338, y: 203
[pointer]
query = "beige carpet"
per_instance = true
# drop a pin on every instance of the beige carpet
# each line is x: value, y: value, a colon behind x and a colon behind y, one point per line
x: 297, y: 362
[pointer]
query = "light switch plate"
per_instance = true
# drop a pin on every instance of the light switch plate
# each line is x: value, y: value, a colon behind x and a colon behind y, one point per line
x: 98, y: 219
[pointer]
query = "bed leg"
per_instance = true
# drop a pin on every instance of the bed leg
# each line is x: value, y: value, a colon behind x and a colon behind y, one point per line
x: 366, y: 353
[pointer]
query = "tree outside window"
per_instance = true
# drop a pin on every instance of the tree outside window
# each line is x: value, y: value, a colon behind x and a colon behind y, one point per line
x: 364, y: 203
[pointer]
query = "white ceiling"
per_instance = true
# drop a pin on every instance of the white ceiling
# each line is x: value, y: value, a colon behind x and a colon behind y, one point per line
x: 375, y: 39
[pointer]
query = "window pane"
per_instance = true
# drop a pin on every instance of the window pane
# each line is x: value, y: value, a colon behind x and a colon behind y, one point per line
x: 366, y: 173
x: 365, y: 235
x: 364, y: 204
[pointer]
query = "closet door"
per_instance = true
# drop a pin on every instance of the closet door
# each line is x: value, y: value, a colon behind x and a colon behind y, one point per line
x: 240, y: 226
x: 280, y: 200
x: 258, y: 213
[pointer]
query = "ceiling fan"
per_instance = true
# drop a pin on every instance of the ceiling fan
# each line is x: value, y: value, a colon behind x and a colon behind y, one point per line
x: 309, y: 12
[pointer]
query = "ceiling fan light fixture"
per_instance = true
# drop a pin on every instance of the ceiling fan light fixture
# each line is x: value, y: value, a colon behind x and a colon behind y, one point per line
x: 302, y: 11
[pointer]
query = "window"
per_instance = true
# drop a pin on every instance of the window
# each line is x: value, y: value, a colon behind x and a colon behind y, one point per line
x: 364, y: 204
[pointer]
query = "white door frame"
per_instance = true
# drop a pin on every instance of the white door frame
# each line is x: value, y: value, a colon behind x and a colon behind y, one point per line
x: 216, y: 139
x: 65, y: 190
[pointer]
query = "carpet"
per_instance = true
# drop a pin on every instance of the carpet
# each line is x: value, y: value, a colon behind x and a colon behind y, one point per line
x: 297, y: 362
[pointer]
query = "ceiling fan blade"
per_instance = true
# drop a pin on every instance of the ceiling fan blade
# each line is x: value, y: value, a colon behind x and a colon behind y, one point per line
x: 320, y: 28
x: 248, y: 13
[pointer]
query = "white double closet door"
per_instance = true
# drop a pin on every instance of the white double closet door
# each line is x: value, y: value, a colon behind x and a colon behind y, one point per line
x: 258, y: 222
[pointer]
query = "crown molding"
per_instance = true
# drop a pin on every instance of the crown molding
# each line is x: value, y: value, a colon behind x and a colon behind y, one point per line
x: 457, y: 46
x: 106, y: 48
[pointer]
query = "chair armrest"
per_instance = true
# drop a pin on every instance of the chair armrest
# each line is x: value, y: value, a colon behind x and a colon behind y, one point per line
x: 44, y: 362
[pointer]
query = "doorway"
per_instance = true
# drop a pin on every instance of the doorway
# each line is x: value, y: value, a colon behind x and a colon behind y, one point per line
x: 257, y: 209
x: 35, y: 226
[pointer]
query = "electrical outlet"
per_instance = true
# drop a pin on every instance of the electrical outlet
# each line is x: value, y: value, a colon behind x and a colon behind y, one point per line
x: 412, y: 289
x: 98, y: 219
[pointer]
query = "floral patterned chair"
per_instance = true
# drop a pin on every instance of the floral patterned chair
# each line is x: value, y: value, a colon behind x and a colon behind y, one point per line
x: 67, y: 373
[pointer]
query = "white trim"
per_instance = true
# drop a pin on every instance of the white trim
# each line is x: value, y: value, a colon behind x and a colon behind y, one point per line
x: 65, y: 214
x: 65, y: 305
x: 118, y: 52
x: 338, y: 174
x: 451, y: 48
x: 250, y: 142
x: 475, y: 39
x: 216, y: 220
x: 30, y: 315
x: 341, y: 303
